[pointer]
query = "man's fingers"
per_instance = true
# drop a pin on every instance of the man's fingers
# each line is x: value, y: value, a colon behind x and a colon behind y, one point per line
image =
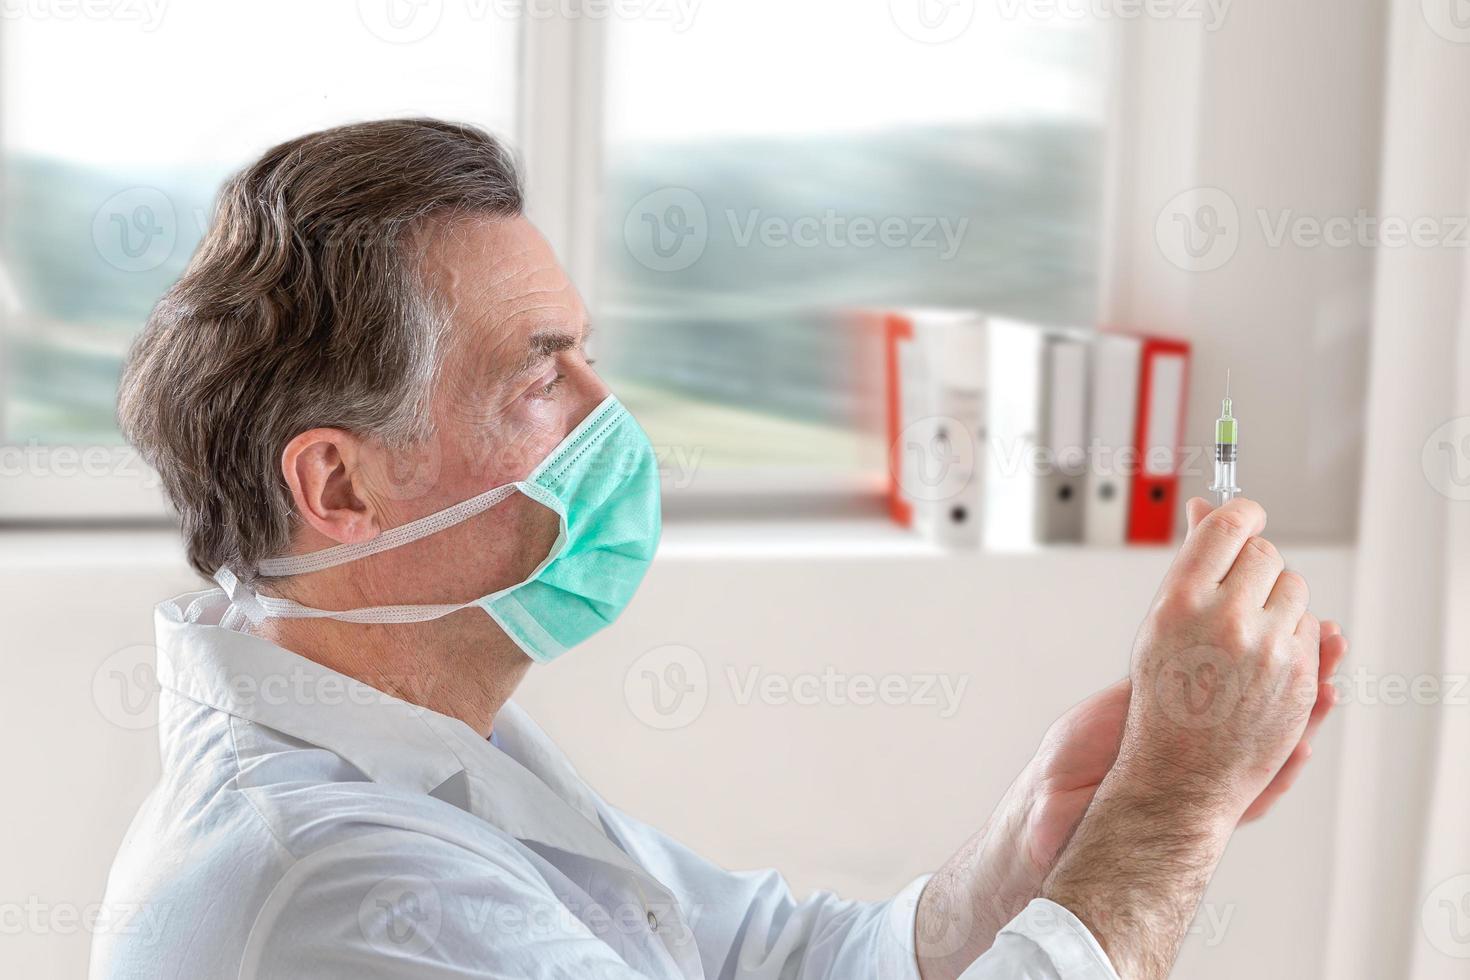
x: 1326, y: 700
x: 1309, y: 626
x: 1334, y: 649
x: 1255, y: 574
x: 1309, y: 633
x: 1195, y: 509
x: 1289, y: 597
x: 1212, y: 547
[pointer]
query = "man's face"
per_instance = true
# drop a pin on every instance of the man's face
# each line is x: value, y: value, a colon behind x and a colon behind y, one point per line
x: 515, y: 381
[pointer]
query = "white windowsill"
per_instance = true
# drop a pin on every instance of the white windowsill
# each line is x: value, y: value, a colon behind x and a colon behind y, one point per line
x: 867, y: 538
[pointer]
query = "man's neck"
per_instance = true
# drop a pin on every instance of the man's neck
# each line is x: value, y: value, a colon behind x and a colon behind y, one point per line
x: 459, y: 666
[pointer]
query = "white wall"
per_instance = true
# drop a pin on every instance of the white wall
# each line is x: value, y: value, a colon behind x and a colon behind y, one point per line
x: 1280, y: 110
x: 849, y: 797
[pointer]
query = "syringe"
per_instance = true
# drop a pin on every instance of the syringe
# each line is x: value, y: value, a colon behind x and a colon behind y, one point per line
x: 1226, y: 433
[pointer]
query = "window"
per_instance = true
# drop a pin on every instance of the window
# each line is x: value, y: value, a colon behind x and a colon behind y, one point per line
x: 756, y: 167
x: 768, y: 164
x: 120, y: 123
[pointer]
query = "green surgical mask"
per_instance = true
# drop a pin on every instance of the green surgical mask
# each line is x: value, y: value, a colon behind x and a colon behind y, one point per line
x: 601, y: 481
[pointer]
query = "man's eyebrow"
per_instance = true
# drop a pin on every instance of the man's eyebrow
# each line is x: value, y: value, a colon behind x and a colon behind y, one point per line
x: 547, y: 343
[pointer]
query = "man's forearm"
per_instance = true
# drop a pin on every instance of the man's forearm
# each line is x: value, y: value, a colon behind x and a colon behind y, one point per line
x: 985, y: 885
x: 1135, y: 870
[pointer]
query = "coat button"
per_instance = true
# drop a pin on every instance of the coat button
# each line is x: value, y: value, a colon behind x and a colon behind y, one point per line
x: 652, y: 921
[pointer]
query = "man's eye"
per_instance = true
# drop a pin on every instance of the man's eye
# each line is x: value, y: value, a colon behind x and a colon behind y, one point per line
x: 549, y: 387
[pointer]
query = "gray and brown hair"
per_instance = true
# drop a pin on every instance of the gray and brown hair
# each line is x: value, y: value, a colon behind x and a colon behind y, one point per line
x: 304, y: 306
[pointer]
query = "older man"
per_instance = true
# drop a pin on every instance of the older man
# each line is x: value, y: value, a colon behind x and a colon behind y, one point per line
x: 369, y: 401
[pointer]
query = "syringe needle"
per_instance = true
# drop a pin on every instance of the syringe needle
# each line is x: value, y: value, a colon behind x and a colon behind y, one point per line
x: 1226, y: 444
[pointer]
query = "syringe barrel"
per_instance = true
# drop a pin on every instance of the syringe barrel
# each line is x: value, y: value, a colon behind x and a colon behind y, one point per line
x: 1224, y: 470
x: 1227, y: 432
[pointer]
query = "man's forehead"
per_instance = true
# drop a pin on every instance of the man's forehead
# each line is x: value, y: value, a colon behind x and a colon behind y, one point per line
x: 495, y: 261
x: 507, y: 294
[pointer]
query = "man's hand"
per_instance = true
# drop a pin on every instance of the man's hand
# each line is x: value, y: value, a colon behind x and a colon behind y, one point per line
x: 1002, y: 868
x: 1225, y: 668
x: 1225, y: 677
x: 1082, y: 744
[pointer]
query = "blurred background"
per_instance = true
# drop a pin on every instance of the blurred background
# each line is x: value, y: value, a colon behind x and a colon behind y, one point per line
x: 1286, y: 187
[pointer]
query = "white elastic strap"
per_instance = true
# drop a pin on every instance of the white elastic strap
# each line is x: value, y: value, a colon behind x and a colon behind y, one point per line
x: 340, y: 554
x: 289, y: 609
x: 604, y: 415
x: 258, y: 608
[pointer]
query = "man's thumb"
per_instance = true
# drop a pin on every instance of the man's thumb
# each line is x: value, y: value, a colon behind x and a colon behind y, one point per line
x: 1196, y: 509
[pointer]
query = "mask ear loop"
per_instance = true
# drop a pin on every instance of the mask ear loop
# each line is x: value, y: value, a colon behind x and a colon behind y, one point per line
x: 604, y: 416
x: 394, y: 537
x: 258, y: 608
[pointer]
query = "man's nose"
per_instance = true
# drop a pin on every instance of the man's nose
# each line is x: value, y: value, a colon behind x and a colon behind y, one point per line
x: 589, y: 391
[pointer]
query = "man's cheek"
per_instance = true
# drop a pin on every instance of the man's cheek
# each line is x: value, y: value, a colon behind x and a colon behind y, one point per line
x: 415, y: 472
x: 536, y: 531
x: 516, y: 450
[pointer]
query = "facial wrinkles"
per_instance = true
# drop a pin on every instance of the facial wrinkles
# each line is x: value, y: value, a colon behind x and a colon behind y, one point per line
x: 491, y: 413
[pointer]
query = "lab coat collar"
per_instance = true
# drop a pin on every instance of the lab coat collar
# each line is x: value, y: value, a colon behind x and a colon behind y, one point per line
x: 390, y: 740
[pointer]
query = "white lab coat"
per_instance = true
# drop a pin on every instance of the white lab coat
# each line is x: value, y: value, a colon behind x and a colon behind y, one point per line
x: 307, y: 825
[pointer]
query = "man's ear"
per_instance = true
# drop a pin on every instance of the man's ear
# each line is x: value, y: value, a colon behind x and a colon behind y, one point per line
x: 322, y: 468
